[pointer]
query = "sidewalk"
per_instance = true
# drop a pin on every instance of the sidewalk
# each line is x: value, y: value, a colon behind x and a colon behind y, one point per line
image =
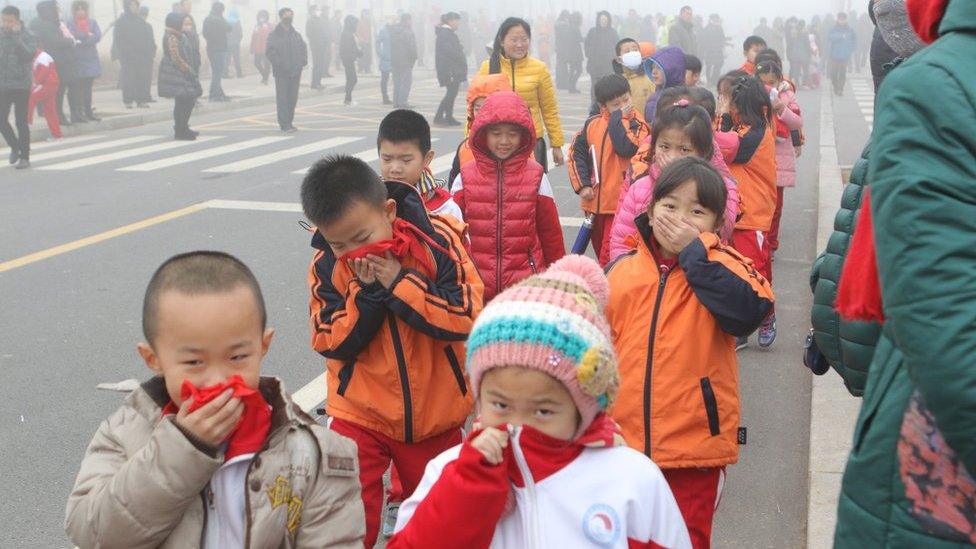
x: 833, y: 411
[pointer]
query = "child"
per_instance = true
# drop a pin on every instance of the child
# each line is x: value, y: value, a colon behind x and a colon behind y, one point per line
x: 680, y: 131
x: 45, y: 92
x: 789, y: 126
x: 403, y: 145
x: 481, y: 87
x: 693, y: 68
x: 679, y: 391
x: 629, y: 63
x: 546, y: 467
x: 506, y: 198
x: 747, y: 127
x: 394, y: 296
x: 209, y: 452
x: 610, y: 139
x: 666, y: 68
x: 750, y: 49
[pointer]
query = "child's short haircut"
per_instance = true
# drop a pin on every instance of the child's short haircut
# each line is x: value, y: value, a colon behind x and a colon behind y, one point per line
x: 690, y: 119
x: 693, y: 64
x: 703, y: 98
x: 610, y: 87
x: 668, y: 98
x: 197, y: 273
x: 623, y: 41
x: 753, y: 41
x: 712, y: 193
x: 337, y: 182
x: 405, y: 125
x: 769, y: 53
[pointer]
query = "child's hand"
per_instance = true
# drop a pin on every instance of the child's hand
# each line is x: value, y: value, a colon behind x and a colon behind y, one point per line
x: 363, y: 271
x: 491, y: 443
x: 778, y: 106
x: 675, y: 234
x: 798, y: 150
x: 214, y: 421
x: 586, y: 193
x: 386, y: 269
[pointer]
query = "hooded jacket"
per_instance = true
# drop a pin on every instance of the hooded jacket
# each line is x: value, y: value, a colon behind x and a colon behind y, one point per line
x: 671, y: 61
x: 394, y: 357
x: 450, y: 59
x: 787, y: 122
x: 530, y: 78
x: 132, y: 40
x: 46, y: 28
x: 674, y: 330
x: 481, y: 87
x: 16, y: 55
x: 600, y: 47
x: 508, y: 204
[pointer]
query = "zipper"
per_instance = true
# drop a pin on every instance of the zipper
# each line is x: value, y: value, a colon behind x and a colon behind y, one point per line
x: 532, y: 263
x: 498, y: 232
x: 711, y: 406
x: 203, y: 500
x: 404, y: 381
x: 532, y: 522
x: 650, y: 361
x: 603, y: 144
x: 513, y: 74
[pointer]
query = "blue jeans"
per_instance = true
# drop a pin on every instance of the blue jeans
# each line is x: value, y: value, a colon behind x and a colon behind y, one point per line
x: 218, y: 63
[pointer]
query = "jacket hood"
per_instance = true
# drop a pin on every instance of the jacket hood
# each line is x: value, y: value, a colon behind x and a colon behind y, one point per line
x: 484, y: 85
x: 503, y: 107
x: 934, y: 18
x: 47, y: 10
x: 599, y: 15
x: 671, y: 60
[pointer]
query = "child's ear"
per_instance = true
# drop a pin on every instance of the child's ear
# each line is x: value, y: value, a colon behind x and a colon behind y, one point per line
x: 149, y: 357
x: 266, y: 341
x: 389, y: 209
x: 429, y: 157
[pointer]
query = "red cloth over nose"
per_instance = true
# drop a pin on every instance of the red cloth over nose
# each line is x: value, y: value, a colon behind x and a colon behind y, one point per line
x: 859, y: 289
x: 251, y: 431
x: 926, y: 16
x: 407, y: 240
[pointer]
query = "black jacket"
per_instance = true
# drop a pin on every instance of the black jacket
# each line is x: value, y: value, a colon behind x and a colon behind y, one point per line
x: 682, y: 35
x: 215, y: 29
x: 318, y: 33
x: 449, y: 58
x: 712, y: 43
x: 569, y: 42
x: 349, y: 50
x: 16, y: 57
x: 177, y: 77
x: 601, y: 43
x: 403, y: 46
x: 132, y: 40
x: 46, y: 28
x: 286, y: 51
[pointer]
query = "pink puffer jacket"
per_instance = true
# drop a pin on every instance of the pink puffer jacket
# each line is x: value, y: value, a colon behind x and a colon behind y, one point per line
x: 791, y: 120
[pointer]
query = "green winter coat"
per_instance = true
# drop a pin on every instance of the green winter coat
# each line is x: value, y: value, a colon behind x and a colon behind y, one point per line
x: 848, y: 346
x: 909, y: 478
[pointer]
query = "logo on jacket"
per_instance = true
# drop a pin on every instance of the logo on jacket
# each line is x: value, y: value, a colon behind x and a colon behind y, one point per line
x: 601, y: 525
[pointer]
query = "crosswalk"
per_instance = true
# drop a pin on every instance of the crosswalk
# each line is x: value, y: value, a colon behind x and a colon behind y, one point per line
x: 864, y: 95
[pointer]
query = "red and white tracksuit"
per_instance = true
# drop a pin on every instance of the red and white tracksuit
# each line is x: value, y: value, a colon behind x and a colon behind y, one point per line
x: 45, y: 92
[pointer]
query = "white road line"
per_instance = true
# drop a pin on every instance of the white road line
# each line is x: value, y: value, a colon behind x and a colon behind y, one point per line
x: 369, y: 156
x: 89, y: 148
x: 270, y: 158
x: 442, y: 164
x: 200, y: 155
x: 126, y: 154
x: 68, y: 141
x: 312, y: 394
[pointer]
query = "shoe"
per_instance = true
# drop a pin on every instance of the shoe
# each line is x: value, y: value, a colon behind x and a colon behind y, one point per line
x: 194, y: 133
x: 350, y: 103
x: 185, y: 135
x: 14, y: 156
x: 65, y: 122
x: 387, y: 102
x: 390, y: 519
x: 22, y: 164
x: 153, y: 100
x: 439, y: 122
x: 767, y: 332
x: 143, y: 105
x: 452, y: 122
x: 289, y: 129
x: 741, y: 343
x: 79, y: 119
x: 318, y: 87
x: 128, y: 105
x: 90, y: 115
x: 574, y: 91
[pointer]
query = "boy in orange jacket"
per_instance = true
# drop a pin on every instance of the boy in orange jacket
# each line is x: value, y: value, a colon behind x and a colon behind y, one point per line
x: 600, y: 156
x: 394, y: 296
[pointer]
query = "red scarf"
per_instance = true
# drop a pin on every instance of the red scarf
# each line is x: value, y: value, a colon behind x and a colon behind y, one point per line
x: 407, y: 241
x: 251, y: 432
x: 83, y: 25
x: 926, y: 16
x: 859, y: 289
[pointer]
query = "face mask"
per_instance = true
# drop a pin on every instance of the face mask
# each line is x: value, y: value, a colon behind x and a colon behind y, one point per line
x: 631, y: 60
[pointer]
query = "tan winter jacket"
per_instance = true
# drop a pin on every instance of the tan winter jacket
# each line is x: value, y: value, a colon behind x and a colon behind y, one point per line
x: 142, y: 482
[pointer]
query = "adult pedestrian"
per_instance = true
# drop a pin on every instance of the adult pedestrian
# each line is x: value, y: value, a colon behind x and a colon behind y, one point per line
x: 349, y: 53
x: 842, y: 42
x: 778, y: 39
x: 335, y: 34
x: 562, y: 39
x: 259, y: 44
x: 135, y: 48
x: 865, y: 33
x: 575, y: 56
x: 600, y: 48
x: 763, y: 30
x: 234, y: 38
x: 648, y: 30
x: 531, y: 80
x: 712, y: 45
x: 909, y: 477
x: 319, y: 44
x: 17, y: 47
x: 54, y: 37
x: 288, y: 56
x: 403, y: 56
x: 365, y: 35
x: 682, y: 32
x: 384, y: 60
x: 631, y: 26
x: 452, y: 67
x: 177, y: 78
x: 798, y: 50
x: 88, y: 34
x: 215, y: 31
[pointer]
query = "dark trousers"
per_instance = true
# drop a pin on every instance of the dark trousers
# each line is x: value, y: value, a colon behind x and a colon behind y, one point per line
x: 351, y: 78
x: 233, y: 60
x: 182, y: 108
x: 446, y: 109
x: 575, y: 71
x: 18, y: 99
x: 286, y: 98
x: 84, y: 94
x: 262, y: 65
x: 136, y: 80
x: 542, y: 154
x: 65, y: 89
x: 562, y: 73
x: 798, y: 71
x: 713, y: 70
x: 385, y: 85
x: 402, y: 80
x: 838, y: 75
x: 319, y: 67
x: 218, y: 62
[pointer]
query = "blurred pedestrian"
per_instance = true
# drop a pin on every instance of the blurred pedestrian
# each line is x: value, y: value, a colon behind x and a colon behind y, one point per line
x: 88, y: 34
x: 349, y: 52
x: 17, y: 47
x: 319, y: 44
x: 215, y: 31
x: 177, y: 78
x: 599, y: 47
x: 365, y: 35
x: 403, y: 56
x: 335, y: 35
x: 259, y: 44
x: 682, y: 32
x: 842, y: 42
x: 384, y: 60
x: 452, y: 67
x: 712, y: 45
x: 54, y: 37
x: 234, y: 38
x: 288, y: 56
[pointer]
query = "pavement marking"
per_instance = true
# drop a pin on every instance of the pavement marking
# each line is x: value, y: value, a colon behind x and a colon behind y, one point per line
x: 127, y: 153
x: 200, y: 155
x: 57, y: 142
x: 89, y: 148
x: 442, y: 164
x: 254, y: 205
x: 312, y: 394
x: 262, y: 160
x: 100, y: 237
x: 368, y: 156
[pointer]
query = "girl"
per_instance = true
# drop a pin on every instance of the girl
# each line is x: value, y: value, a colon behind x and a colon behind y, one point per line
x: 747, y: 129
x: 789, y: 124
x: 682, y: 130
x: 481, y: 87
x: 177, y: 77
x: 545, y: 454
x: 676, y: 302
x: 666, y: 68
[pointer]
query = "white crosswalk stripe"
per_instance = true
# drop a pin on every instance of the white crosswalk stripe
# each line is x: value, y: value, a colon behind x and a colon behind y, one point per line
x: 71, y: 151
x: 369, y: 156
x: 69, y: 142
x: 442, y: 164
x: 286, y: 154
x: 201, y: 155
x: 864, y: 95
x: 127, y: 153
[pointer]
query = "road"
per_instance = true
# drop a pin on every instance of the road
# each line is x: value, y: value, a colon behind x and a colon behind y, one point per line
x: 81, y: 233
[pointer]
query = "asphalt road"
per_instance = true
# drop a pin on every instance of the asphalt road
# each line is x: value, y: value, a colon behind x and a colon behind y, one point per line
x: 71, y: 314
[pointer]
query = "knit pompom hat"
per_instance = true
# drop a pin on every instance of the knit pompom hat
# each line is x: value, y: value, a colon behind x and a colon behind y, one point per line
x: 552, y: 322
x: 891, y: 18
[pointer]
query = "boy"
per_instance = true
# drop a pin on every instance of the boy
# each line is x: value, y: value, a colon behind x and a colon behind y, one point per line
x: 693, y: 68
x: 209, y: 453
x: 394, y: 295
x: 630, y: 64
x: 750, y: 49
x: 611, y: 139
x: 403, y: 145
x: 549, y: 468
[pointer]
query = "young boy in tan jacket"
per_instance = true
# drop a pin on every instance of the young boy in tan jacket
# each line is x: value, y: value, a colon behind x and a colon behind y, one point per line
x: 208, y: 453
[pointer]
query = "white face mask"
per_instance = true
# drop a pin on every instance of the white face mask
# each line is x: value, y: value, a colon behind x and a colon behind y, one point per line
x: 632, y: 60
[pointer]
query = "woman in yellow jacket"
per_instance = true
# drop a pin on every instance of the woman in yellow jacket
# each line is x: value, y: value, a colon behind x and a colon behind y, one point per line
x: 531, y: 80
